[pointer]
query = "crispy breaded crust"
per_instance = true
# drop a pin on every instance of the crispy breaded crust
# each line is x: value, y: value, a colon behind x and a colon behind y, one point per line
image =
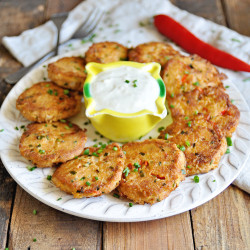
x: 49, y: 144
x: 161, y: 169
x: 201, y: 141
x: 184, y: 73
x: 68, y: 72
x: 106, y: 52
x: 159, y: 52
x: 89, y: 175
x: 212, y: 102
x: 46, y: 102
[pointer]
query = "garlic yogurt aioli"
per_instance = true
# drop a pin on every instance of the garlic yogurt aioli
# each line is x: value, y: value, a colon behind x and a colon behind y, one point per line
x: 125, y: 89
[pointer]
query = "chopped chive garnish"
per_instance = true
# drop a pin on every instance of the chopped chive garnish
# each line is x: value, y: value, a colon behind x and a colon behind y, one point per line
x: 186, y: 118
x: 95, y: 154
x: 188, y: 143
x: 96, y: 178
x: 86, y: 151
x: 172, y: 95
x: 66, y: 91
x: 137, y: 165
x: 115, y: 148
x: 166, y: 136
x: 135, y: 81
x: 189, y: 124
x: 59, y: 199
x: 130, y: 204
x: 41, y: 151
x: 196, y: 179
x: 116, y: 196
x: 228, y: 151
x: 126, y: 171
x: 196, y: 112
x: 49, y: 177
x: 34, y: 212
x: 126, y: 81
x: 182, y: 148
x: 99, y: 151
x: 227, y: 87
x: 88, y: 183
x: 188, y: 166
x: 196, y: 83
x: 34, y: 240
x: 171, y: 106
x: 50, y: 91
x: 16, y: 128
x: 229, y: 141
x: 1, y: 130
x: 31, y: 168
x: 134, y: 85
x: 160, y: 129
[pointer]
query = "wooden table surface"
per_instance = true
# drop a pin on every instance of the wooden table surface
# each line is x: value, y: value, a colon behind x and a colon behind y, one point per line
x: 222, y: 223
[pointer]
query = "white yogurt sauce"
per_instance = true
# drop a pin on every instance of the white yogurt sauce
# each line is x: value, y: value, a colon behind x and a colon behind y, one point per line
x: 125, y: 89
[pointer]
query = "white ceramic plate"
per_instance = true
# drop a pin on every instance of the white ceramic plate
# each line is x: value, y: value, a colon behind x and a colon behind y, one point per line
x: 108, y: 208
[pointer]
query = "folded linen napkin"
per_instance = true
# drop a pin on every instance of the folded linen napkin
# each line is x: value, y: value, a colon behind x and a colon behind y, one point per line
x: 130, y: 23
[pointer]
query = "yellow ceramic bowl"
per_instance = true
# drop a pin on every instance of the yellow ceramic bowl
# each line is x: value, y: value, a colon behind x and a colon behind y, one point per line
x: 118, y: 126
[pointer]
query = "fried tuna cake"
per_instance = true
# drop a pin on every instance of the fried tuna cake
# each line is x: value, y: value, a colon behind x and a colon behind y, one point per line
x: 212, y: 102
x: 95, y: 172
x: 106, y: 52
x: 202, y: 143
x: 184, y: 73
x: 48, y: 144
x: 152, y: 52
x: 46, y: 102
x: 153, y: 169
x: 68, y: 72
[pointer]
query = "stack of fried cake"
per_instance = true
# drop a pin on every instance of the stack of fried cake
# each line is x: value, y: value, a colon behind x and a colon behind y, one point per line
x: 146, y: 171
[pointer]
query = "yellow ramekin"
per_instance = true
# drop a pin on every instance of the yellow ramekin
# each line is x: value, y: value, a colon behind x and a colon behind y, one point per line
x: 118, y: 126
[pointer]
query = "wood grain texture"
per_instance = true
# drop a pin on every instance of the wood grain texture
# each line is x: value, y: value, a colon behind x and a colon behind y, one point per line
x: 7, y: 189
x: 16, y: 16
x: 224, y: 222
x: 210, y: 9
x: 238, y: 15
x: 51, y: 229
x: 169, y: 233
x: 60, y: 6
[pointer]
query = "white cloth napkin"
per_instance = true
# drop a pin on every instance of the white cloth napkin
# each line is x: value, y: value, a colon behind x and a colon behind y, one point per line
x: 130, y: 23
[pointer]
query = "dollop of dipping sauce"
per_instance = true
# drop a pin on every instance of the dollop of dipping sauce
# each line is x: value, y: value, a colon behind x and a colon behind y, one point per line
x: 125, y: 89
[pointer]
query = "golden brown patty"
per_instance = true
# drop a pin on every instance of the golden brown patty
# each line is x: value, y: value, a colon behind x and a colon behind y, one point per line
x: 49, y: 144
x: 212, y: 102
x: 106, y: 52
x: 46, y: 102
x: 152, y: 52
x: 184, y: 73
x: 153, y: 169
x: 201, y: 142
x: 68, y: 72
x: 91, y: 174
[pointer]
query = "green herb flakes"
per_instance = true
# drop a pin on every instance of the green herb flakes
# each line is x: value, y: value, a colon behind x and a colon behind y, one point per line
x: 166, y: 136
x: 229, y: 141
x: 126, y: 171
x: 86, y: 151
x: 31, y: 168
x: 196, y: 179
